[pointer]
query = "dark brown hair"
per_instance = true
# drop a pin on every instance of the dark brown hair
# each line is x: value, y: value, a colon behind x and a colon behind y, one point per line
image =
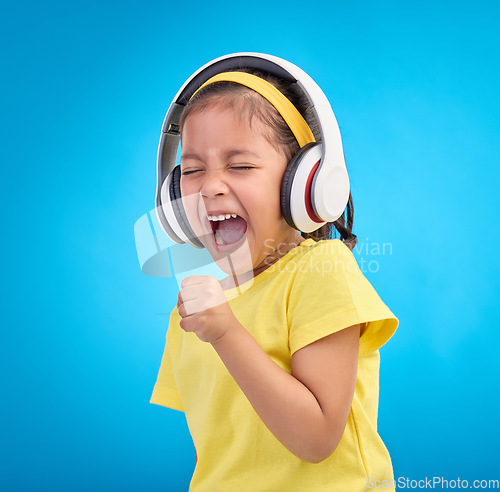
x: 248, y: 104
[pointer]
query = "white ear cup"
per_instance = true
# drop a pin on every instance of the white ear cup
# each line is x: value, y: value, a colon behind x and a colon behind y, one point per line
x: 301, y: 206
x: 331, y: 193
x: 174, y: 212
x: 168, y: 211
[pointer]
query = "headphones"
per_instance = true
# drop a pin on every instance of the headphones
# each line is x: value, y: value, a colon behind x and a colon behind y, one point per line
x: 315, y: 186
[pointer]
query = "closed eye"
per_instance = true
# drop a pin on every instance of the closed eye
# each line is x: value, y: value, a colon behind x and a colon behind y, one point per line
x: 185, y: 173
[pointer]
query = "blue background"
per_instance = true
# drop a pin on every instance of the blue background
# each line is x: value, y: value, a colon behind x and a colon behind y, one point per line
x: 85, y: 87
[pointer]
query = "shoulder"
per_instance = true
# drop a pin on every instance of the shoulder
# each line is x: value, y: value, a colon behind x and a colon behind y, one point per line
x: 321, y: 281
x: 329, y: 292
x: 326, y: 248
x: 331, y: 258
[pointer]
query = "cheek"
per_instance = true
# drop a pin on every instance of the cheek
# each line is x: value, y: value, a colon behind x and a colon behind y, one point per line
x: 190, y: 197
x: 264, y: 207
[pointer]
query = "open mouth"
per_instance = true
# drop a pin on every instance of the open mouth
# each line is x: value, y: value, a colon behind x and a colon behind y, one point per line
x: 228, y: 230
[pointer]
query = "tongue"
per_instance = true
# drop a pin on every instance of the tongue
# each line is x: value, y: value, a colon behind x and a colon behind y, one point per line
x: 232, y: 230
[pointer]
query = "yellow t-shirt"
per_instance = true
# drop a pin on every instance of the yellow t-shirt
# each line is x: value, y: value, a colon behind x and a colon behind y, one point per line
x: 314, y: 290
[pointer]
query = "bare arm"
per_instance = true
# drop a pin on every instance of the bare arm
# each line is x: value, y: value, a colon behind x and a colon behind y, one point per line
x: 308, y: 409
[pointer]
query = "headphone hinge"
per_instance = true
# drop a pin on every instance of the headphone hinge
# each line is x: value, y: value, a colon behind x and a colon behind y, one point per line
x: 173, y: 129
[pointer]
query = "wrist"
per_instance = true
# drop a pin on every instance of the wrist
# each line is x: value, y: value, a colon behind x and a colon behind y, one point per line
x: 232, y: 327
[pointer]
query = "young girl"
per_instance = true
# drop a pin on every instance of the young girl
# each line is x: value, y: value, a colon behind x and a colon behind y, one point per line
x: 276, y: 367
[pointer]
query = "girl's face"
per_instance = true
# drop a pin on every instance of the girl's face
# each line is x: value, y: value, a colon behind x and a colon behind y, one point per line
x: 228, y: 167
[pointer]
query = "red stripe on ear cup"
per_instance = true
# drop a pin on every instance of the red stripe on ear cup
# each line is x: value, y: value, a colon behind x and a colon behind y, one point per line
x: 307, y: 195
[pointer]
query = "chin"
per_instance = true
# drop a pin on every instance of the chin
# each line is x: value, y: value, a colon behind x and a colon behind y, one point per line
x: 232, y: 261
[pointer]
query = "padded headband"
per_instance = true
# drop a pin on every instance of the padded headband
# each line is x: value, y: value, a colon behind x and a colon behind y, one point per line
x: 285, y: 108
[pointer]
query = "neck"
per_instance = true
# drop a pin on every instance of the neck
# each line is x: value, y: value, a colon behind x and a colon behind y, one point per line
x: 292, y: 241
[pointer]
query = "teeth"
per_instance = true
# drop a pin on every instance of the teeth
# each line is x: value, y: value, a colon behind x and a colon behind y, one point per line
x: 221, y: 217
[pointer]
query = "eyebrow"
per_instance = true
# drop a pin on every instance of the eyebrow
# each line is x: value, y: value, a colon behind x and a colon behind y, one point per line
x: 227, y: 155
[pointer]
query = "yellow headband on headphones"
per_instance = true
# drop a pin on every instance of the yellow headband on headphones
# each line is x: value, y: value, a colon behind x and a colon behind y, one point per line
x: 286, y: 109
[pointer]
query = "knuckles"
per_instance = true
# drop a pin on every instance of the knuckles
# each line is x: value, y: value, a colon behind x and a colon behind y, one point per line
x: 196, y: 324
x: 198, y: 279
x: 206, y: 307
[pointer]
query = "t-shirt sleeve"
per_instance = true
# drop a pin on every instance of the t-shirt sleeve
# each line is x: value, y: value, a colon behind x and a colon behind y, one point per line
x: 330, y: 293
x: 165, y: 391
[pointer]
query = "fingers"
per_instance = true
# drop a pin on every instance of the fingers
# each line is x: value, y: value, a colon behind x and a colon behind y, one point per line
x: 198, y: 286
x: 191, y: 300
x: 187, y: 309
x: 196, y: 305
x: 195, y: 280
x: 199, y: 293
x: 191, y: 292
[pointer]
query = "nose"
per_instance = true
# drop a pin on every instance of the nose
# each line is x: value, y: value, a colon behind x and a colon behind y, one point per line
x: 213, y: 184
